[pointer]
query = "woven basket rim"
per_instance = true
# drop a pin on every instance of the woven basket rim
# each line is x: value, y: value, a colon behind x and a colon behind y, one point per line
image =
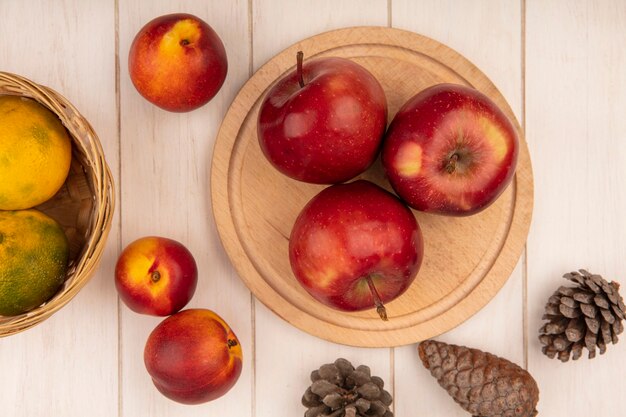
x: 86, y: 141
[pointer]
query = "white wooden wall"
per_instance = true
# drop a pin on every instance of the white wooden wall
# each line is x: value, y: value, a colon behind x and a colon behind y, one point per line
x: 561, y: 64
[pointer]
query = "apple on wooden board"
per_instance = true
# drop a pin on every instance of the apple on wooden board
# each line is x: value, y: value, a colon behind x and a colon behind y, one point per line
x: 193, y: 356
x: 323, y: 123
x: 355, y: 246
x: 177, y: 62
x: 156, y: 276
x: 450, y: 150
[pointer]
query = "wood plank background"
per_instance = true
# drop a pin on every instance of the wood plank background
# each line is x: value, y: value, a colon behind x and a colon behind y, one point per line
x: 561, y: 64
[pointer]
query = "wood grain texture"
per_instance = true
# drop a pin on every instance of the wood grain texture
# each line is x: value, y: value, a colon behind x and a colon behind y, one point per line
x: 76, y: 349
x: 487, y: 32
x: 165, y: 192
x: 278, y: 24
x: 459, y: 274
x: 285, y: 356
x: 575, y: 106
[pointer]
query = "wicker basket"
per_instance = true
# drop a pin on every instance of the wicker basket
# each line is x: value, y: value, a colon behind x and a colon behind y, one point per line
x: 83, y: 206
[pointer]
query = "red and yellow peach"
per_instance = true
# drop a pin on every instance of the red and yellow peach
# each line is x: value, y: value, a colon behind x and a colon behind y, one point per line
x: 193, y: 357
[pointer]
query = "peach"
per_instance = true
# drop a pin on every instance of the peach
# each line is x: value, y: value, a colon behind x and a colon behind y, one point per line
x: 177, y: 62
x: 156, y: 276
x: 193, y: 356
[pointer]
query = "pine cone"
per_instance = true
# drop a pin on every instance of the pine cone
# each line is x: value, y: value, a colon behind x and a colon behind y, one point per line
x: 483, y: 384
x: 339, y: 390
x: 585, y: 316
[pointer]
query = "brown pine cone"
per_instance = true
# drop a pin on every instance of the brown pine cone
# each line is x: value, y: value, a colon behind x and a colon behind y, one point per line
x: 340, y: 390
x: 588, y: 315
x: 481, y: 383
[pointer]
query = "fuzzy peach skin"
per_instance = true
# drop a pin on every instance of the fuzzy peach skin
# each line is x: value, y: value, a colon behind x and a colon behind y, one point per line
x: 193, y: 357
x: 156, y: 275
x: 177, y: 62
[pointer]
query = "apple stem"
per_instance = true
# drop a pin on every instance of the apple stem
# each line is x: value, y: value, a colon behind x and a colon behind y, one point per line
x: 184, y: 42
x: 156, y: 276
x: 451, y: 164
x: 231, y: 343
x: 299, y: 58
x: 380, y: 308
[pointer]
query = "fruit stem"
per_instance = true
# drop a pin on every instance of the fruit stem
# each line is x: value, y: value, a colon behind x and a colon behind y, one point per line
x: 156, y: 276
x: 451, y: 164
x: 299, y: 58
x: 231, y: 343
x: 184, y: 42
x: 380, y: 308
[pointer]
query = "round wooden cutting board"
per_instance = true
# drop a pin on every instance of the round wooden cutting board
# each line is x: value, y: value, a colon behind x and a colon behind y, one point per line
x: 466, y: 260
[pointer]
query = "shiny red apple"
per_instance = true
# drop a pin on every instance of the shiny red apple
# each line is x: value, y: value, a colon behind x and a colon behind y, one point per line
x: 323, y: 123
x: 355, y: 246
x: 177, y: 62
x: 156, y: 276
x: 450, y: 150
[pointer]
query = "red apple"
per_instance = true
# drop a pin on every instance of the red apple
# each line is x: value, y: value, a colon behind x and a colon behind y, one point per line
x: 177, y: 62
x: 193, y: 357
x: 450, y: 150
x: 355, y: 246
x: 323, y: 123
x: 156, y: 275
